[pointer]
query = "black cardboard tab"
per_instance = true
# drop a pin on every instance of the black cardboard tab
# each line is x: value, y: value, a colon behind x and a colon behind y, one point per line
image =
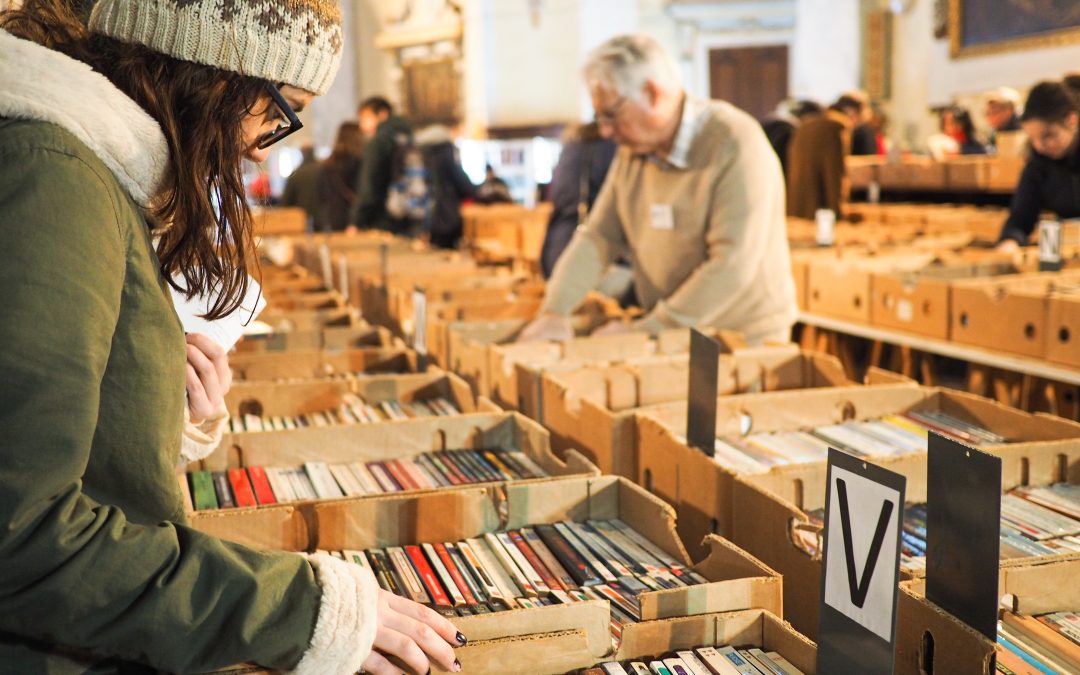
x: 701, y: 410
x: 860, y: 567
x: 963, y: 527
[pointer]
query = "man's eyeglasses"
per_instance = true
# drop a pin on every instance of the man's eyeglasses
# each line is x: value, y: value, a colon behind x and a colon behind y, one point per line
x: 609, y: 116
x: 289, y: 123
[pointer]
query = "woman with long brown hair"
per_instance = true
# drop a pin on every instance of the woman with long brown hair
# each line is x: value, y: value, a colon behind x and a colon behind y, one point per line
x: 144, y: 117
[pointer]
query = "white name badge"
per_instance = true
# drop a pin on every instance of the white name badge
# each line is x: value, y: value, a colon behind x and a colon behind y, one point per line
x: 663, y: 217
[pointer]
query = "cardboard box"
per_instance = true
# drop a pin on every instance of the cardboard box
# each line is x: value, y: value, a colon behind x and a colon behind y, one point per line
x: 278, y: 221
x: 1063, y: 330
x: 298, y: 398
x: 468, y: 344
x: 287, y: 321
x: 928, y: 639
x: 710, y: 498
x: 863, y: 170
x: 392, y: 440
x: 1007, y: 314
x: 310, y: 300
x: 549, y: 653
x: 517, y: 370
x: 913, y: 173
x: 308, y: 365
x: 592, y: 408
x: 737, y: 581
x: 841, y: 288
x: 330, y: 338
x: 919, y: 302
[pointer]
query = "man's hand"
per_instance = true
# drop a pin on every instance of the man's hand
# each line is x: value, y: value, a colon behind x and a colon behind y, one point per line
x: 208, y: 377
x: 615, y: 327
x: 547, y: 327
x: 415, y: 635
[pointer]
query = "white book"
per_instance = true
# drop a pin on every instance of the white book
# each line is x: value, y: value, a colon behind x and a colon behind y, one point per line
x: 281, y: 485
x: 783, y: 664
x: 717, y: 662
x: 322, y: 480
x: 227, y: 330
x: 346, y: 480
x: 693, y: 663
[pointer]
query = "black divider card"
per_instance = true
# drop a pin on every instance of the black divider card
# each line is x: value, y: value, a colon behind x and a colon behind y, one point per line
x: 963, y: 529
x: 861, y: 567
x: 701, y: 411
x: 419, y: 299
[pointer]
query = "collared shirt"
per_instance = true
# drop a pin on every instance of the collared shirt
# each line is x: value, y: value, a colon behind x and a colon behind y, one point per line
x: 693, y: 116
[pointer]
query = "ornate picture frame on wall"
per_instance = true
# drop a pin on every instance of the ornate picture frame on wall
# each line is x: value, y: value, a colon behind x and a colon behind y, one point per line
x: 984, y: 27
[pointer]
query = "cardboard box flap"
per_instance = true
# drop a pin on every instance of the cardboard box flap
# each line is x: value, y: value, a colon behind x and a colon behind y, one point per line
x: 544, y: 654
x: 590, y: 618
x: 272, y: 529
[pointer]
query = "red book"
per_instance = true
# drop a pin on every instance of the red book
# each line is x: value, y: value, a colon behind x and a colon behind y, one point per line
x: 401, y: 476
x: 259, y: 482
x: 534, y: 560
x: 241, y: 488
x: 455, y: 574
x: 427, y: 575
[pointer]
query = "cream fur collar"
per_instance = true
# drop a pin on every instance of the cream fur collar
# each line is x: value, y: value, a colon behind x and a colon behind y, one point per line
x: 37, y: 83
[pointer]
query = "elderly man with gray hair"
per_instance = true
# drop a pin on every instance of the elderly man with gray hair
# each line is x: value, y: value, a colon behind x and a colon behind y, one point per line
x: 694, y: 198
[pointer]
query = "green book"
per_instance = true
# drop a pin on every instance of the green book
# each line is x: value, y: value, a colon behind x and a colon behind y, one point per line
x: 202, y: 490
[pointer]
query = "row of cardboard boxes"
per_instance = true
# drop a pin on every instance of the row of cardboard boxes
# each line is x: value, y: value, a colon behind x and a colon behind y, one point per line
x: 968, y: 298
x: 958, y: 174
x: 702, y: 488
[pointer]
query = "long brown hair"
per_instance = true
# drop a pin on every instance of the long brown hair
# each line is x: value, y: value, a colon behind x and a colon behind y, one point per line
x: 348, y: 145
x: 206, y: 226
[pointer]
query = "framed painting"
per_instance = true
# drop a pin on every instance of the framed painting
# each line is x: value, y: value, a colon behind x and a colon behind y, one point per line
x: 981, y: 27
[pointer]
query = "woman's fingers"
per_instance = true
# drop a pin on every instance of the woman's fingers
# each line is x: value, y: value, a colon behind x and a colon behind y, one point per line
x: 434, y: 647
x: 217, y: 356
x: 376, y: 664
x: 440, y: 624
x: 198, y: 403
x: 207, y: 375
x: 402, y: 647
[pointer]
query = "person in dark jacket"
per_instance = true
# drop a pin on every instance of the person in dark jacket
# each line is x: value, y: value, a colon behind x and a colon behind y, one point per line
x: 302, y: 188
x: 493, y: 190
x: 817, y: 175
x: 576, y: 181
x: 384, y: 133
x: 449, y: 185
x: 337, y: 180
x: 1051, y: 178
x: 781, y: 125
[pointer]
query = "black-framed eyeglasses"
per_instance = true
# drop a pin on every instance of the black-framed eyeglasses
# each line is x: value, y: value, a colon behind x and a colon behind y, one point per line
x: 609, y: 116
x: 289, y: 123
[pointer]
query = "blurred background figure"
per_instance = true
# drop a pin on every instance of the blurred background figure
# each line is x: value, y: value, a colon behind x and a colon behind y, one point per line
x: 956, y: 123
x: 1002, y: 112
x: 338, y: 178
x: 493, y: 190
x: 302, y: 188
x: 448, y: 183
x: 780, y: 126
x: 816, y: 170
x: 863, y: 134
x: 576, y: 181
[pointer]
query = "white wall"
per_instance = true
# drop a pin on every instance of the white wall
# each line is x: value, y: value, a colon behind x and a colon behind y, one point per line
x: 825, y: 56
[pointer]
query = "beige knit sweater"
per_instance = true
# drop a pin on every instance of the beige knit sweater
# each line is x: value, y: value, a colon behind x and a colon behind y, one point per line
x: 707, y: 243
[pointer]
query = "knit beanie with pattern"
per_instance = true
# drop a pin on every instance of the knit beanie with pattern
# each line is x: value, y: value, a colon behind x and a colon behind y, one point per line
x: 296, y: 42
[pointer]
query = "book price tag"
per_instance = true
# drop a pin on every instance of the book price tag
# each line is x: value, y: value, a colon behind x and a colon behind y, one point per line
x: 701, y: 411
x: 1050, y: 246
x: 826, y: 225
x: 419, y: 299
x: 864, y: 512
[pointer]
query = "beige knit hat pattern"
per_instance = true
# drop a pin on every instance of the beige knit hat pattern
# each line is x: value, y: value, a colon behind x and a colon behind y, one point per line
x: 296, y: 42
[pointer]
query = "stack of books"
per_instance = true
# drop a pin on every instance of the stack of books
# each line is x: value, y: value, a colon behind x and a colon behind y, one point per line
x: 353, y: 410
x: 721, y: 660
x: 890, y: 436
x: 260, y: 486
x: 1039, y: 644
x: 561, y: 563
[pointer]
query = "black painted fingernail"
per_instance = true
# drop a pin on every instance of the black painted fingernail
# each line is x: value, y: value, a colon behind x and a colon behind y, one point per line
x: 461, y: 639
x: 457, y: 666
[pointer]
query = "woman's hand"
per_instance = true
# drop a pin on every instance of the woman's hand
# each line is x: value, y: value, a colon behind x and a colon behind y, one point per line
x: 415, y: 635
x: 208, y: 377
